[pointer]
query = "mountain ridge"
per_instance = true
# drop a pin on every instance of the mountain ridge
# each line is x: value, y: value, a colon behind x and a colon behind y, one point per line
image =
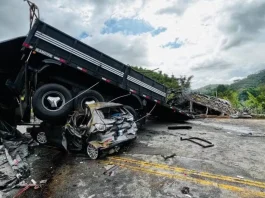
x: 251, y: 81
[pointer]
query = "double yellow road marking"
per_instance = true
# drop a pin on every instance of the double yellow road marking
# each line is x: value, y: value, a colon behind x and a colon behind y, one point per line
x: 202, y: 178
x: 189, y: 172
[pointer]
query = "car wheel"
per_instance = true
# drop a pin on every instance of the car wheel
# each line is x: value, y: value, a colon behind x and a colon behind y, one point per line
x: 40, y: 137
x: 88, y: 97
x: 49, y: 102
x: 92, y: 151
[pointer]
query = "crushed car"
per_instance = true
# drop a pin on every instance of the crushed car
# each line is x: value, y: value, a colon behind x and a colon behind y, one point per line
x: 99, y: 128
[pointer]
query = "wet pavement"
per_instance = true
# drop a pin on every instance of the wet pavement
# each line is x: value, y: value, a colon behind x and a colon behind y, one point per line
x: 233, y: 167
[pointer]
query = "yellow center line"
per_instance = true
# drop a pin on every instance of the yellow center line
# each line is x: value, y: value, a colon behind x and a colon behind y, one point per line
x: 243, y: 192
x: 187, y: 171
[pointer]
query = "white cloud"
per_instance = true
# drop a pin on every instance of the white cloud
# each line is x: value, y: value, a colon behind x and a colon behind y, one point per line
x: 221, y: 40
x: 131, y: 50
x: 231, y: 80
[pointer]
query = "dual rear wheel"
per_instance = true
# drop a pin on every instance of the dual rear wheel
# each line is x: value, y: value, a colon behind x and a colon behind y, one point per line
x: 52, y: 102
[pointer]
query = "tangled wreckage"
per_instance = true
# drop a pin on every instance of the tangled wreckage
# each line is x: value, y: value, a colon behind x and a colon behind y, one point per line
x: 101, y: 127
x: 65, y: 84
x: 201, y: 104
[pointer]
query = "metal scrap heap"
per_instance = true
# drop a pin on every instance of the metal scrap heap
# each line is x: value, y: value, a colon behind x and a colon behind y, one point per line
x: 198, y: 103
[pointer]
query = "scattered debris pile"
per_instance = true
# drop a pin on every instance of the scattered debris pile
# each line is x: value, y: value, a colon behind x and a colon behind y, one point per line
x: 197, y: 103
x: 14, y: 148
x: 216, y: 104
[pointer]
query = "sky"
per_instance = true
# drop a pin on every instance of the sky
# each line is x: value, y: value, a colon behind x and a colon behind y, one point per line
x: 216, y: 41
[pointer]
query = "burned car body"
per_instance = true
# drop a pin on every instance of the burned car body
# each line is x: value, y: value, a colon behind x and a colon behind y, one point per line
x: 110, y: 125
x: 99, y: 127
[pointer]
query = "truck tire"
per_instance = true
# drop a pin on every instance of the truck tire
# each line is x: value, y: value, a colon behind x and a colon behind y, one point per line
x: 48, y: 102
x: 135, y: 116
x: 89, y: 96
x: 132, y: 111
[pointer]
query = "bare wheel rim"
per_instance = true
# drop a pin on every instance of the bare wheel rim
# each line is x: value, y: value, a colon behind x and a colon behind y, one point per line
x: 92, y: 151
x: 53, y: 100
x: 41, y: 138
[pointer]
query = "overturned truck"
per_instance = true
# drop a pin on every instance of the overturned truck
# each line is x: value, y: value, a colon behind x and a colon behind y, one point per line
x: 54, y: 74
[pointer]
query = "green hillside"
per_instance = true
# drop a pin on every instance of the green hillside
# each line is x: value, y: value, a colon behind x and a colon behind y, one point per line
x: 248, y: 93
x: 251, y: 81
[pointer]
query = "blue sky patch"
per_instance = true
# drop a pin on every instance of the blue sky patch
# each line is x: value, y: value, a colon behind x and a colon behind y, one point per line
x: 158, y: 31
x: 126, y: 26
x: 174, y: 44
x: 83, y: 35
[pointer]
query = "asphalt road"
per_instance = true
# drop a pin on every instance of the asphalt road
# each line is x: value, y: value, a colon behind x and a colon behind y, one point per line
x: 233, y: 167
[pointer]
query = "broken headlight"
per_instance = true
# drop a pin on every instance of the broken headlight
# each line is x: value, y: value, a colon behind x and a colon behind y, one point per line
x: 100, y: 127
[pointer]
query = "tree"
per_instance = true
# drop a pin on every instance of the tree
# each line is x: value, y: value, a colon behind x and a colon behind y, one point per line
x: 253, y: 103
x: 170, y: 82
x: 232, y: 97
x: 185, y: 82
x: 221, y: 89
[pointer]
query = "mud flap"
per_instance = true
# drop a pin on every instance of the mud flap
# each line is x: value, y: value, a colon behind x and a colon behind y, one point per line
x: 64, y: 141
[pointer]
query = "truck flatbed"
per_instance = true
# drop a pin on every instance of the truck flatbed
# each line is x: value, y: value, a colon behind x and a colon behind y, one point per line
x: 55, y: 44
x: 80, y: 65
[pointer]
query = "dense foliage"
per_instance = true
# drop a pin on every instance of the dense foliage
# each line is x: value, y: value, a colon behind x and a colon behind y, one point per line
x: 172, y: 82
x: 248, y: 93
x: 169, y: 81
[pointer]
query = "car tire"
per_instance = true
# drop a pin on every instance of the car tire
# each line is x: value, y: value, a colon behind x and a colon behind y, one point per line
x: 90, y: 95
x: 49, y: 100
x: 40, y: 137
x: 92, y: 151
